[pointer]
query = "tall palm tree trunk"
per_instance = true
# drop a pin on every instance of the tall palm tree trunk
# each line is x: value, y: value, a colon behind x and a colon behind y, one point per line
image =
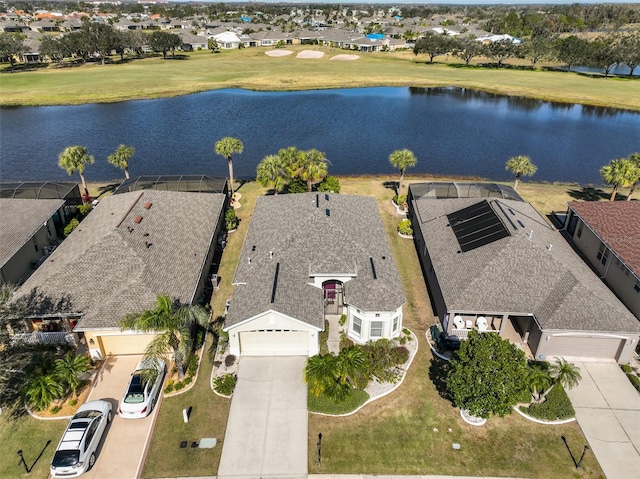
x: 230, y: 175
x: 126, y: 173
x: 613, y: 193
x: 633, y: 188
x: 84, y: 184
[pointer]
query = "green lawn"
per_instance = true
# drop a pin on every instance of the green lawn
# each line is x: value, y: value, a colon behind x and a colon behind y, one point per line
x: 250, y: 68
x: 31, y: 436
x: 327, y: 406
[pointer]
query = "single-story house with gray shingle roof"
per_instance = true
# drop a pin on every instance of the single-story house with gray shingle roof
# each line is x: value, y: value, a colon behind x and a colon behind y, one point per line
x: 307, y: 256
x: 608, y: 235
x: 130, y: 248
x: 494, y: 264
x: 28, y: 229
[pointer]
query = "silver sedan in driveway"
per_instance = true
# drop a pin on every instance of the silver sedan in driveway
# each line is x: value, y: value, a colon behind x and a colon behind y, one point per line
x: 76, y: 452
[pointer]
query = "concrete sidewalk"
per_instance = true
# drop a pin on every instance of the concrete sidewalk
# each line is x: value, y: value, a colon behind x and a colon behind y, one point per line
x: 608, y: 412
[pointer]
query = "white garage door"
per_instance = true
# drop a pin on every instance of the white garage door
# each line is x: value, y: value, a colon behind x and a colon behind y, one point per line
x: 585, y: 347
x: 125, y: 343
x: 274, y: 343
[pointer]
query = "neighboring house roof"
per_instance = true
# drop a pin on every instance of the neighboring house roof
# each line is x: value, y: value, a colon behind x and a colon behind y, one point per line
x: 110, y: 265
x: 533, y: 270
x: 617, y: 224
x: 227, y: 37
x: 20, y: 220
x: 314, y: 234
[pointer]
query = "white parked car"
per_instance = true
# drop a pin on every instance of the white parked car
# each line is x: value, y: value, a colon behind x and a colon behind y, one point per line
x: 143, y: 389
x: 76, y: 452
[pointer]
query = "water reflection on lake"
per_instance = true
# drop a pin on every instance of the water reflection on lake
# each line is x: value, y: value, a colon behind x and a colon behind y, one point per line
x: 451, y: 130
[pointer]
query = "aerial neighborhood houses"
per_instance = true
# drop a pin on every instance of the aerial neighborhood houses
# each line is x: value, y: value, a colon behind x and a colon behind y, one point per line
x: 345, y: 28
x: 493, y: 263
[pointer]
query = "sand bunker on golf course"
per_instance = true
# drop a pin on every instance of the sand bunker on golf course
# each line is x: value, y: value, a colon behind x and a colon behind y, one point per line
x: 345, y: 57
x: 278, y: 53
x: 310, y: 54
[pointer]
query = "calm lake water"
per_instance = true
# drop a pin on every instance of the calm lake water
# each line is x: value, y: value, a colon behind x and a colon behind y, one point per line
x: 451, y: 131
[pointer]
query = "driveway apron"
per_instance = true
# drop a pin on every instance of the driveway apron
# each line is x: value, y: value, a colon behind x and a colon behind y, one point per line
x: 267, y: 429
x: 124, y: 446
x: 608, y: 412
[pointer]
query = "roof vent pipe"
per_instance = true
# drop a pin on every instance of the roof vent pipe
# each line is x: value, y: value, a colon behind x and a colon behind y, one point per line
x: 530, y: 234
x: 549, y: 247
x: 270, y: 254
x: 249, y: 260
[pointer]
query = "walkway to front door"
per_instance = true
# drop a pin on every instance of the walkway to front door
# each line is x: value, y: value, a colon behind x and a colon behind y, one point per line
x: 267, y: 429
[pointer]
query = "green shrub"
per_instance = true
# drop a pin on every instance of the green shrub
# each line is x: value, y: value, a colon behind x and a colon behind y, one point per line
x: 379, y: 360
x: 329, y: 406
x: 323, y: 337
x: 73, y: 224
x: 342, y: 320
x: 178, y: 385
x: 400, y: 200
x: 84, y: 209
x: 193, y: 365
x: 635, y: 380
x: 626, y: 368
x: 406, y: 332
x: 229, y: 360
x: 345, y: 343
x: 225, y: 384
x: 55, y: 409
x: 557, y: 406
x: 404, y: 227
x: 230, y: 219
x: 297, y: 186
x: 73, y: 402
x: 170, y: 387
x: 329, y: 184
x: 399, y: 355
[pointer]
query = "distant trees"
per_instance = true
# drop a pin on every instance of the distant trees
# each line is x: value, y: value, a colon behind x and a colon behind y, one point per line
x: 433, y: 44
x: 161, y: 41
x: 11, y: 46
x: 572, y: 50
x: 520, y: 165
x: 76, y: 158
x: 500, y: 50
x: 467, y: 48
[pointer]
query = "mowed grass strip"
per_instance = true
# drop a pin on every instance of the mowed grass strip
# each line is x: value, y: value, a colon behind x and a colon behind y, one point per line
x: 251, y: 68
x: 29, y: 435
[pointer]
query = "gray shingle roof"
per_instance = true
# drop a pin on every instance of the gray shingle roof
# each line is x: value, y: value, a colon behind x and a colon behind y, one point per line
x: 20, y: 219
x: 105, y: 268
x: 305, y: 242
x: 519, y: 274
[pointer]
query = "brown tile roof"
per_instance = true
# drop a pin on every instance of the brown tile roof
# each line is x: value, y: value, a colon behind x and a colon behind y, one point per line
x: 617, y: 223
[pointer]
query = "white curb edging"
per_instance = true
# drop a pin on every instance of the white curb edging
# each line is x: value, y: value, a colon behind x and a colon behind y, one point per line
x: 541, y: 421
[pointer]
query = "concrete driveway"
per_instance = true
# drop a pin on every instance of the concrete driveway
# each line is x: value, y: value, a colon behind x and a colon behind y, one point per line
x: 124, y: 446
x: 267, y: 429
x: 608, y: 412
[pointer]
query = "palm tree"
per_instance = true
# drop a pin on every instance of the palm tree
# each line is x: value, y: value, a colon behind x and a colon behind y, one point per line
x: 520, y: 165
x: 321, y: 373
x: 402, y: 159
x: 539, y: 381
x: 75, y: 158
x: 41, y: 389
x: 312, y: 167
x: 69, y: 368
x: 635, y: 158
x: 174, y: 324
x: 353, y: 365
x: 565, y: 373
x: 619, y: 173
x: 226, y: 147
x: 272, y: 173
x: 120, y: 158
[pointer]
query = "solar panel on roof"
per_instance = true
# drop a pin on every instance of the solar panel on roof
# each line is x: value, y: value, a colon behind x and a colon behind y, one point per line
x: 476, y: 225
